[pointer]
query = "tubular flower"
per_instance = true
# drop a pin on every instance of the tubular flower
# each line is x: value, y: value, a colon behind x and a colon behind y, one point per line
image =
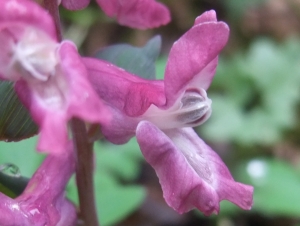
x: 49, y: 77
x: 160, y: 114
x: 43, y: 202
x: 141, y: 14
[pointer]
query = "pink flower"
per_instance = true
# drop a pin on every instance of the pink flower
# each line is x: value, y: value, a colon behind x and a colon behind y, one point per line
x: 141, y: 14
x: 49, y: 77
x: 43, y: 201
x: 160, y: 113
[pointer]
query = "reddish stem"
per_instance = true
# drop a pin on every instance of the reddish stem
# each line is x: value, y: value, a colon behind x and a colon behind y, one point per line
x: 84, y: 173
x: 82, y: 146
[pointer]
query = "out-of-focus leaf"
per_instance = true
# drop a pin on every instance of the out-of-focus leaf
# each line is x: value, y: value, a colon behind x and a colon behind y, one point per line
x: 113, y: 201
x: 23, y: 156
x: 226, y: 120
x: 15, y: 121
x: 276, y: 186
x: 116, y: 202
x: 139, y: 61
x: 80, y: 23
x: 160, y: 67
x: 85, y: 17
x: 236, y: 8
x: 113, y: 163
x: 122, y: 161
x: 255, y: 94
x: 102, y: 180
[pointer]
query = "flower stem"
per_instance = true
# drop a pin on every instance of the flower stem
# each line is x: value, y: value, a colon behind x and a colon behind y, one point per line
x: 82, y: 146
x: 84, y: 172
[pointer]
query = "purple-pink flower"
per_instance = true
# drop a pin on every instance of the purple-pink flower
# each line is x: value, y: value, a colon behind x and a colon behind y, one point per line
x: 49, y: 77
x: 43, y: 201
x: 160, y: 114
x: 141, y: 14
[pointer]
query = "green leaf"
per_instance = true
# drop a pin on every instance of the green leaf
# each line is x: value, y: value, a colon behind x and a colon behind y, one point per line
x: 139, y: 61
x: 113, y: 201
x: 114, y: 163
x: 225, y: 122
x: 160, y: 67
x: 255, y: 94
x: 116, y: 202
x: 22, y: 155
x: 276, y: 186
x: 85, y: 17
x: 237, y: 8
x: 122, y: 161
x: 15, y: 121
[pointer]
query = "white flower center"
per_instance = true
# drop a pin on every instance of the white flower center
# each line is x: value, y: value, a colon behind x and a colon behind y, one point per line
x: 193, y: 109
x: 31, y: 55
x: 34, y: 53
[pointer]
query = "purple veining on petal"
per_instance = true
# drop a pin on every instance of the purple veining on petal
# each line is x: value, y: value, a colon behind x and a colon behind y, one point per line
x: 190, y: 173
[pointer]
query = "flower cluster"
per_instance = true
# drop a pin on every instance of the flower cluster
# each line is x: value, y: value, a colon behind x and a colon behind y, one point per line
x: 160, y: 114
x: 56, y: 84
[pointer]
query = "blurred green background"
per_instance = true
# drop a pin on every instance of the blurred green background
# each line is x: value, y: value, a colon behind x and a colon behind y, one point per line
x: 254, y: 126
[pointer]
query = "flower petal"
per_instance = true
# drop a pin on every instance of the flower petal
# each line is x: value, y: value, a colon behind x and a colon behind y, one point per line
x: 43, y: 201
x: 128, y: 93
x: 52, y: 123
x: 75, y: 4
x: 191, y: 65
x: 208, y: 16
x: 190, y: 173
x: 43, y: 197
x: 26, y: 13
x: 10, y: 212
x: 141, y: 14
x: 121, y: 128
x: 16, y: 18
x: 84, y: 101
x: 67, y: 94
x: 193, y: 60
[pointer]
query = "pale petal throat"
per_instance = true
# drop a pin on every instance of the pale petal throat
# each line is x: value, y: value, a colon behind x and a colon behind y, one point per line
x: 192, y: 109
x: 35, y: 53
x: 34, y: 59
x: 193, y: 153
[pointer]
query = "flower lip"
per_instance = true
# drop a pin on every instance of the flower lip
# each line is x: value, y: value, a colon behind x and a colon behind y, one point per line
x: 192, y: 109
